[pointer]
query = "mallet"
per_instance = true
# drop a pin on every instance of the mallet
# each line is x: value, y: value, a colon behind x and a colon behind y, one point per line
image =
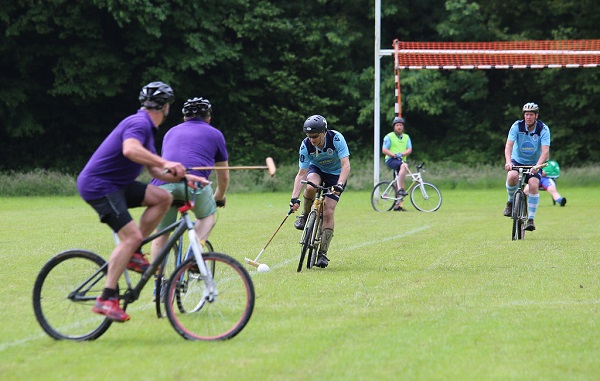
x: 270, y: 167
x: 255, y: 262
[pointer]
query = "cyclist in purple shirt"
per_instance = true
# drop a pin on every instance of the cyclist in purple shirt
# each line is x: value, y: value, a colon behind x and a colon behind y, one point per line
x: 108, y: 183
x: 195, y: 143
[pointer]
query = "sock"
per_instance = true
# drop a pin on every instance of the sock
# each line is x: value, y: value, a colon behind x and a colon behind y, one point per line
x: 307, y: 205
x: 510, y: 189
x: 326, y: 236
x: 108, y: 293
x: 532, y: 204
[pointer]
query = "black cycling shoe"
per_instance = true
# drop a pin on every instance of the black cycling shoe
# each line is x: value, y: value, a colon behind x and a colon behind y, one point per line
x: 322, y: 260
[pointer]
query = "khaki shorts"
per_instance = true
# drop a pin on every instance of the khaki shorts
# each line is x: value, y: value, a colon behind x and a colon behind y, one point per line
x: 203, y: 207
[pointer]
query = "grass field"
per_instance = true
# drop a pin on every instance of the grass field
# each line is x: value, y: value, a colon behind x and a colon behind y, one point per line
x: 411, y: 296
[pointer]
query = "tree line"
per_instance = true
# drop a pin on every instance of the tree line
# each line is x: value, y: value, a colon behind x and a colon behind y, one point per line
x: 71, y: 70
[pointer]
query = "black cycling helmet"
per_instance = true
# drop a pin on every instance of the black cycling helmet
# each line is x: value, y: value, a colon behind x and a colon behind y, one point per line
x: 397, y: 120
x: 196, y: 107
x: 531, y: 107
x: 155, y: 95
x: 314, y: 124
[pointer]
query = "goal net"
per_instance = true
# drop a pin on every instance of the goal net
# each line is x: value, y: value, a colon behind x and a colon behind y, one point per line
x: 493, y: 55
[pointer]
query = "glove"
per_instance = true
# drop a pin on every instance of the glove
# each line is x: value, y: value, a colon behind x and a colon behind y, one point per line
x: 339, y: 188
x: 398, y: 156
x: 221, y: 203
x: 294, y: 201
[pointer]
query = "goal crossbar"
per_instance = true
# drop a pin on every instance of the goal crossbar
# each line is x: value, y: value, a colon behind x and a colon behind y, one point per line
x: 497, y: 55
x: 492, y: 55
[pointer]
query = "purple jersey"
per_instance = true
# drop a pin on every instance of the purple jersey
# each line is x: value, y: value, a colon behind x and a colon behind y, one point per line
x: 108, y: 170
x: 194, y: 143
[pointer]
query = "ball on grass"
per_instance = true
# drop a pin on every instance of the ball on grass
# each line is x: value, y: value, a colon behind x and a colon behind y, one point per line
x: 262, y: 268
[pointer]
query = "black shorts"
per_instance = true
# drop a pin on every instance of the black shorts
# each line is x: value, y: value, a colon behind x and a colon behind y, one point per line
x: 113, y: 208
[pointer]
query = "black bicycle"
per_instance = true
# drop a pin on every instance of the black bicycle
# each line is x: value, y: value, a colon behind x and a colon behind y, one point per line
x: 214, y: 292
x: 520, y: 212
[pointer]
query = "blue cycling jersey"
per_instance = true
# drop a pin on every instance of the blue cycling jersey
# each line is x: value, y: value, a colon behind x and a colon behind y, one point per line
x: 528, y: 145
x: 327, y: 159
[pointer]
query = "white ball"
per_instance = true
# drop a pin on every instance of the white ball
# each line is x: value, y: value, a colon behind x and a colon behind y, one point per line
x: 263, y: 268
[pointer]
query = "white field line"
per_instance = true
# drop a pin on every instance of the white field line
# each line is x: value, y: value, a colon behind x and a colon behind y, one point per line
x: 368, y: 243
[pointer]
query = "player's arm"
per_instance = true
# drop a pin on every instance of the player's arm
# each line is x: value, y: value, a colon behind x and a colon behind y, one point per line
x: 222, y: 180
x: 508, y: 148
x: 345, y: 172
x: 301, y: 175
x: 156, y: 165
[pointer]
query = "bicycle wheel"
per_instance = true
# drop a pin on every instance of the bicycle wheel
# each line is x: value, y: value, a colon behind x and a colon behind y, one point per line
x: 314, y: 242
x: 64, y: 293
x: 426, y: 197
x: 221, y: 318
x: 383, y: 196
x: 307, y: 234
x: 519, y: 215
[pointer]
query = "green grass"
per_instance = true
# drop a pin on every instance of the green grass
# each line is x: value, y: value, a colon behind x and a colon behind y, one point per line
x: 448, y: 175
x: 411, y: 296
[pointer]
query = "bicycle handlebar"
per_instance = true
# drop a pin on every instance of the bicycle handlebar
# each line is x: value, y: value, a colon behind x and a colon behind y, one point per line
x: 328, y: 190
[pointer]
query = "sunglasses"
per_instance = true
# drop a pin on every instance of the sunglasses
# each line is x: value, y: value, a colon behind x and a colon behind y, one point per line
x: 313, y: 136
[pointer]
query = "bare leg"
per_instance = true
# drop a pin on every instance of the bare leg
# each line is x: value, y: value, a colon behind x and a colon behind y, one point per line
x: 130, y: 238
x: 158, y: 202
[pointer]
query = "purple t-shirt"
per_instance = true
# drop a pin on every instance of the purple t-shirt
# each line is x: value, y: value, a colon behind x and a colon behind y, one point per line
x: 108, y: 170
x: 194, y: 143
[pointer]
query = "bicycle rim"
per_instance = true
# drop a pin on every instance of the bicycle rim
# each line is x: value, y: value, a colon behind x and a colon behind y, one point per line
x: 383, y: 196
x: 306, y: 238
x: 219, y: 319
x: 183, y: 303
x: 314, y: 242
x: 64, y: 293
x: 426, y: 197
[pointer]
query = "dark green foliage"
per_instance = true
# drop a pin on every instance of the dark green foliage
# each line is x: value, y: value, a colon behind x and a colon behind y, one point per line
x: 71, y: 70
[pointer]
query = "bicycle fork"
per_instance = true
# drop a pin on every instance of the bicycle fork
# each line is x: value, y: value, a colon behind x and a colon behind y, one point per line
x: 211, y: 290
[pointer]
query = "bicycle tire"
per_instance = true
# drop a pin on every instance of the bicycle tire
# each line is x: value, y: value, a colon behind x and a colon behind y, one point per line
x: 62, y: 313
x: 219, y: 319
x: 314, y: 242
x: 426, y: 197
x: 383, y: 196
x: 519, y: 215
x: 306, y: 238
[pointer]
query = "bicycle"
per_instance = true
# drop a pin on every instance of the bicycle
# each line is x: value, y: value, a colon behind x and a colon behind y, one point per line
x: 215, y: 290
x: 520, y: 212
x: 424, y: 196
x: 311, y: 234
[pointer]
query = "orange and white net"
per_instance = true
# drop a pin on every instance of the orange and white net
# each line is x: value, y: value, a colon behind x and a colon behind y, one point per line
x: 497, y: 55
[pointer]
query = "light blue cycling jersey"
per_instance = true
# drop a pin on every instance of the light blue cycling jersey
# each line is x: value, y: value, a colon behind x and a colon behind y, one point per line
x: 329, y: 158
x: 528, y: 145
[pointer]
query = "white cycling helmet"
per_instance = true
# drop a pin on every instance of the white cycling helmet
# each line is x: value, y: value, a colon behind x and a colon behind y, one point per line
x: 531, y: 107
